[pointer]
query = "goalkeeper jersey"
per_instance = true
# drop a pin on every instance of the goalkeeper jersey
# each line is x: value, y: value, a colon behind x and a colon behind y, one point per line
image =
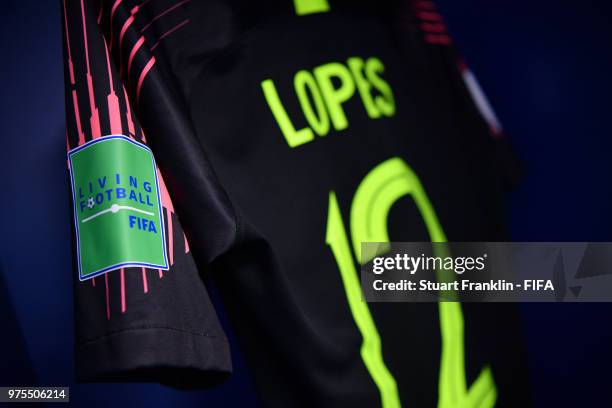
x: 255, y: 146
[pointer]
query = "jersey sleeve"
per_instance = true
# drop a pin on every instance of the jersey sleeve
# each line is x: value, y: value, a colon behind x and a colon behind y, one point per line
x: 142, y: 310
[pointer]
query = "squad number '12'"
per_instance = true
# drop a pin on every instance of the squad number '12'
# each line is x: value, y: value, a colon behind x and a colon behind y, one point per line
x: 376, y: 194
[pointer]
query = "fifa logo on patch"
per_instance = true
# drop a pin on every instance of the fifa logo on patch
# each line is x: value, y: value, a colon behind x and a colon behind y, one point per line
x: 117, y: 208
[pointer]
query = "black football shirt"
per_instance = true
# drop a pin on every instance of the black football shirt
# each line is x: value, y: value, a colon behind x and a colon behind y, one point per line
x: 256, y: 145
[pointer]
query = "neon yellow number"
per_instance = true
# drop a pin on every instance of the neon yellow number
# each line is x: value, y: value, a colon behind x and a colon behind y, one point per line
x: 379, y: 190
x: 371, y: 350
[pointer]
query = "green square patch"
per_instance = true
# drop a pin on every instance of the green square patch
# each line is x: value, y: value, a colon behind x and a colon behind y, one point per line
x: 117, y: 209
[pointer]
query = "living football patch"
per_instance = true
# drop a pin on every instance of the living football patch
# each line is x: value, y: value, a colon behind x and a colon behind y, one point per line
x: 117, y: 209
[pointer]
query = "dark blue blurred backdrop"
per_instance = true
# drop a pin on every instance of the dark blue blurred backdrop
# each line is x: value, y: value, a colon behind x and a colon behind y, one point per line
x: 545, y: 66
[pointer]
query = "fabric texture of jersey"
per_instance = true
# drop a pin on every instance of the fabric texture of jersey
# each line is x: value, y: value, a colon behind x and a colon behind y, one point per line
x: 266, y: 118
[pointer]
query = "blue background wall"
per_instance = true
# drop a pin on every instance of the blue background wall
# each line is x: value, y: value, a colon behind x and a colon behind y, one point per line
x: 545, y: 66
